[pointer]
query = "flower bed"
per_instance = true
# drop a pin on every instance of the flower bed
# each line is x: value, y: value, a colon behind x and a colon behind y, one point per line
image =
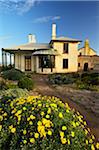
x: 41, y: 123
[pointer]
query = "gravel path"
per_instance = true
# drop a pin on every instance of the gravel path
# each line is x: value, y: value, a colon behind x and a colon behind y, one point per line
x: 86, y: 102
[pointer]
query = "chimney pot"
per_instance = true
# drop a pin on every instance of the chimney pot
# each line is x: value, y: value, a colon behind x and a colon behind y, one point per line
x: 31, y: 38
x: 53, y: 31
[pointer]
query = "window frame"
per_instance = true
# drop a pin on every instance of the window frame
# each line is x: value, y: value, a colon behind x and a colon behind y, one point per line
x: 65, y: 63
x: 49, y: 61
x: 65, y: 48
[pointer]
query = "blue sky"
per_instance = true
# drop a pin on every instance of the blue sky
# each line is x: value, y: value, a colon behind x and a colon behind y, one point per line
x: 74, y: 19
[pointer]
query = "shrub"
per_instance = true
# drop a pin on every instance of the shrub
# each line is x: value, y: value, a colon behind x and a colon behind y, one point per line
x: 3, y: 84
x: 4, y: 68
x: 13, y: 74
x: 43, y: 123
x: 67, y: 78
x: 13, y: 93
x: 26, y: 83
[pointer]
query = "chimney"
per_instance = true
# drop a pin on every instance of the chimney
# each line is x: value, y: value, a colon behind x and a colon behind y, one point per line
x: 31, y: 38
x: 53, y: 31
x: 87, y: 48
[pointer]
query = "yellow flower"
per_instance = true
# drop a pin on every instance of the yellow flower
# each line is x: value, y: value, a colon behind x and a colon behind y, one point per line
x: 86, y: 132
x: 32, y: 108
x: 10, y: 127
x: 63, y: 140
x: 13, y: 130
x: 60, y: 115
x: 47, y: 116
x: 39, y: 123
x: 32, y: 140
x: 92, y: 147
x: 77, y: 123
x: 41, y: 130
x: 24, y: 132
x: 68, y: 142
x: 1, y: 118
x: 64, y: 128
x: 28, y: 119
x: 49, y: 110
x: 36, y: 135
x: 19, y: 112
x: 39, y: 105
x: 32, y: 117
x: 97, y: 145
x: 67, y: 110
x: 30, y: 123
x: 0, y: 127
x: 24, y: 108
x: 19, y: 117
x: 42, y: 113
x: 5, y: 114
x: 72, y: 134
x: 90, y: 141
x: 93, y: 137
x: 61, y: 134
x: 24, y: 141
x: 85, y: 123
x: 49, y: 132
x: 73, y: 123
x: 87, y: 142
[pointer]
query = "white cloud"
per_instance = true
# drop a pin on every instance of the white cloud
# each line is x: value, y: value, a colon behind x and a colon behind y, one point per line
x: 45, y: 19
x: 20, y: 6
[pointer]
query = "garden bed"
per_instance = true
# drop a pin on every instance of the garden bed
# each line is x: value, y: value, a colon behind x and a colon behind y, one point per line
x: 37, y: 122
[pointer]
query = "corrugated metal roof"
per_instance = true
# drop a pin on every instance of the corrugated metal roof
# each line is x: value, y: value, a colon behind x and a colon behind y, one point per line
x: 46, y: 52
x: 66, y: 39
x: 30, y: 46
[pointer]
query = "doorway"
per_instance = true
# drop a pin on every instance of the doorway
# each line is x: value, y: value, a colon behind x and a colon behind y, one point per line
x: 27, y: 63
x: 86, y: 67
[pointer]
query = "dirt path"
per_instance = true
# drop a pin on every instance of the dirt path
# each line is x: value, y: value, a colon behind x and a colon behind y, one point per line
x: 70, y: 96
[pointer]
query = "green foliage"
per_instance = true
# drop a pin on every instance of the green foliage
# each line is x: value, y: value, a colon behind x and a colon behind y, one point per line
x: 5, y: 68
x: 13, y: 74
x: 88, y: 81
x: 42, y: 123
x: 13, y: 93
x: 3, y: 84
x: 67, y: 78
x: 26, y: 83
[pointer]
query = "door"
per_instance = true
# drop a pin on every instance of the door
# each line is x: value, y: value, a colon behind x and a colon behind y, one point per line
x: 27, y: 63
x: 86, y: 67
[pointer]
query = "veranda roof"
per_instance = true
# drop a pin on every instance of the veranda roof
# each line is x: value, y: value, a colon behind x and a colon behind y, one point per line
x: 29, y: 46
x: 46, y: 52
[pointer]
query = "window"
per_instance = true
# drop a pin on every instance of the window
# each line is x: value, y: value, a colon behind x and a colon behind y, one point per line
x: 27, y: 63
x: 65, y: 63
x: 46, y: 61
x: 65, y: 48
x: 78, y: 64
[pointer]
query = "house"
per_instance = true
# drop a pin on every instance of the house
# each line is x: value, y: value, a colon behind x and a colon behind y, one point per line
x: 60, y: 55
x: 87, y: 58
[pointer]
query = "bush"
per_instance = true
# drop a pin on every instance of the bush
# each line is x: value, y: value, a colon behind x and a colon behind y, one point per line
x: 67, y: 78
x: 40, y: 123
x: 26, y: 83
x: 13, y: 74
x: 3, y: 84
x: 13, y: 93
x: 4, y: 68
x: 90, y: 79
